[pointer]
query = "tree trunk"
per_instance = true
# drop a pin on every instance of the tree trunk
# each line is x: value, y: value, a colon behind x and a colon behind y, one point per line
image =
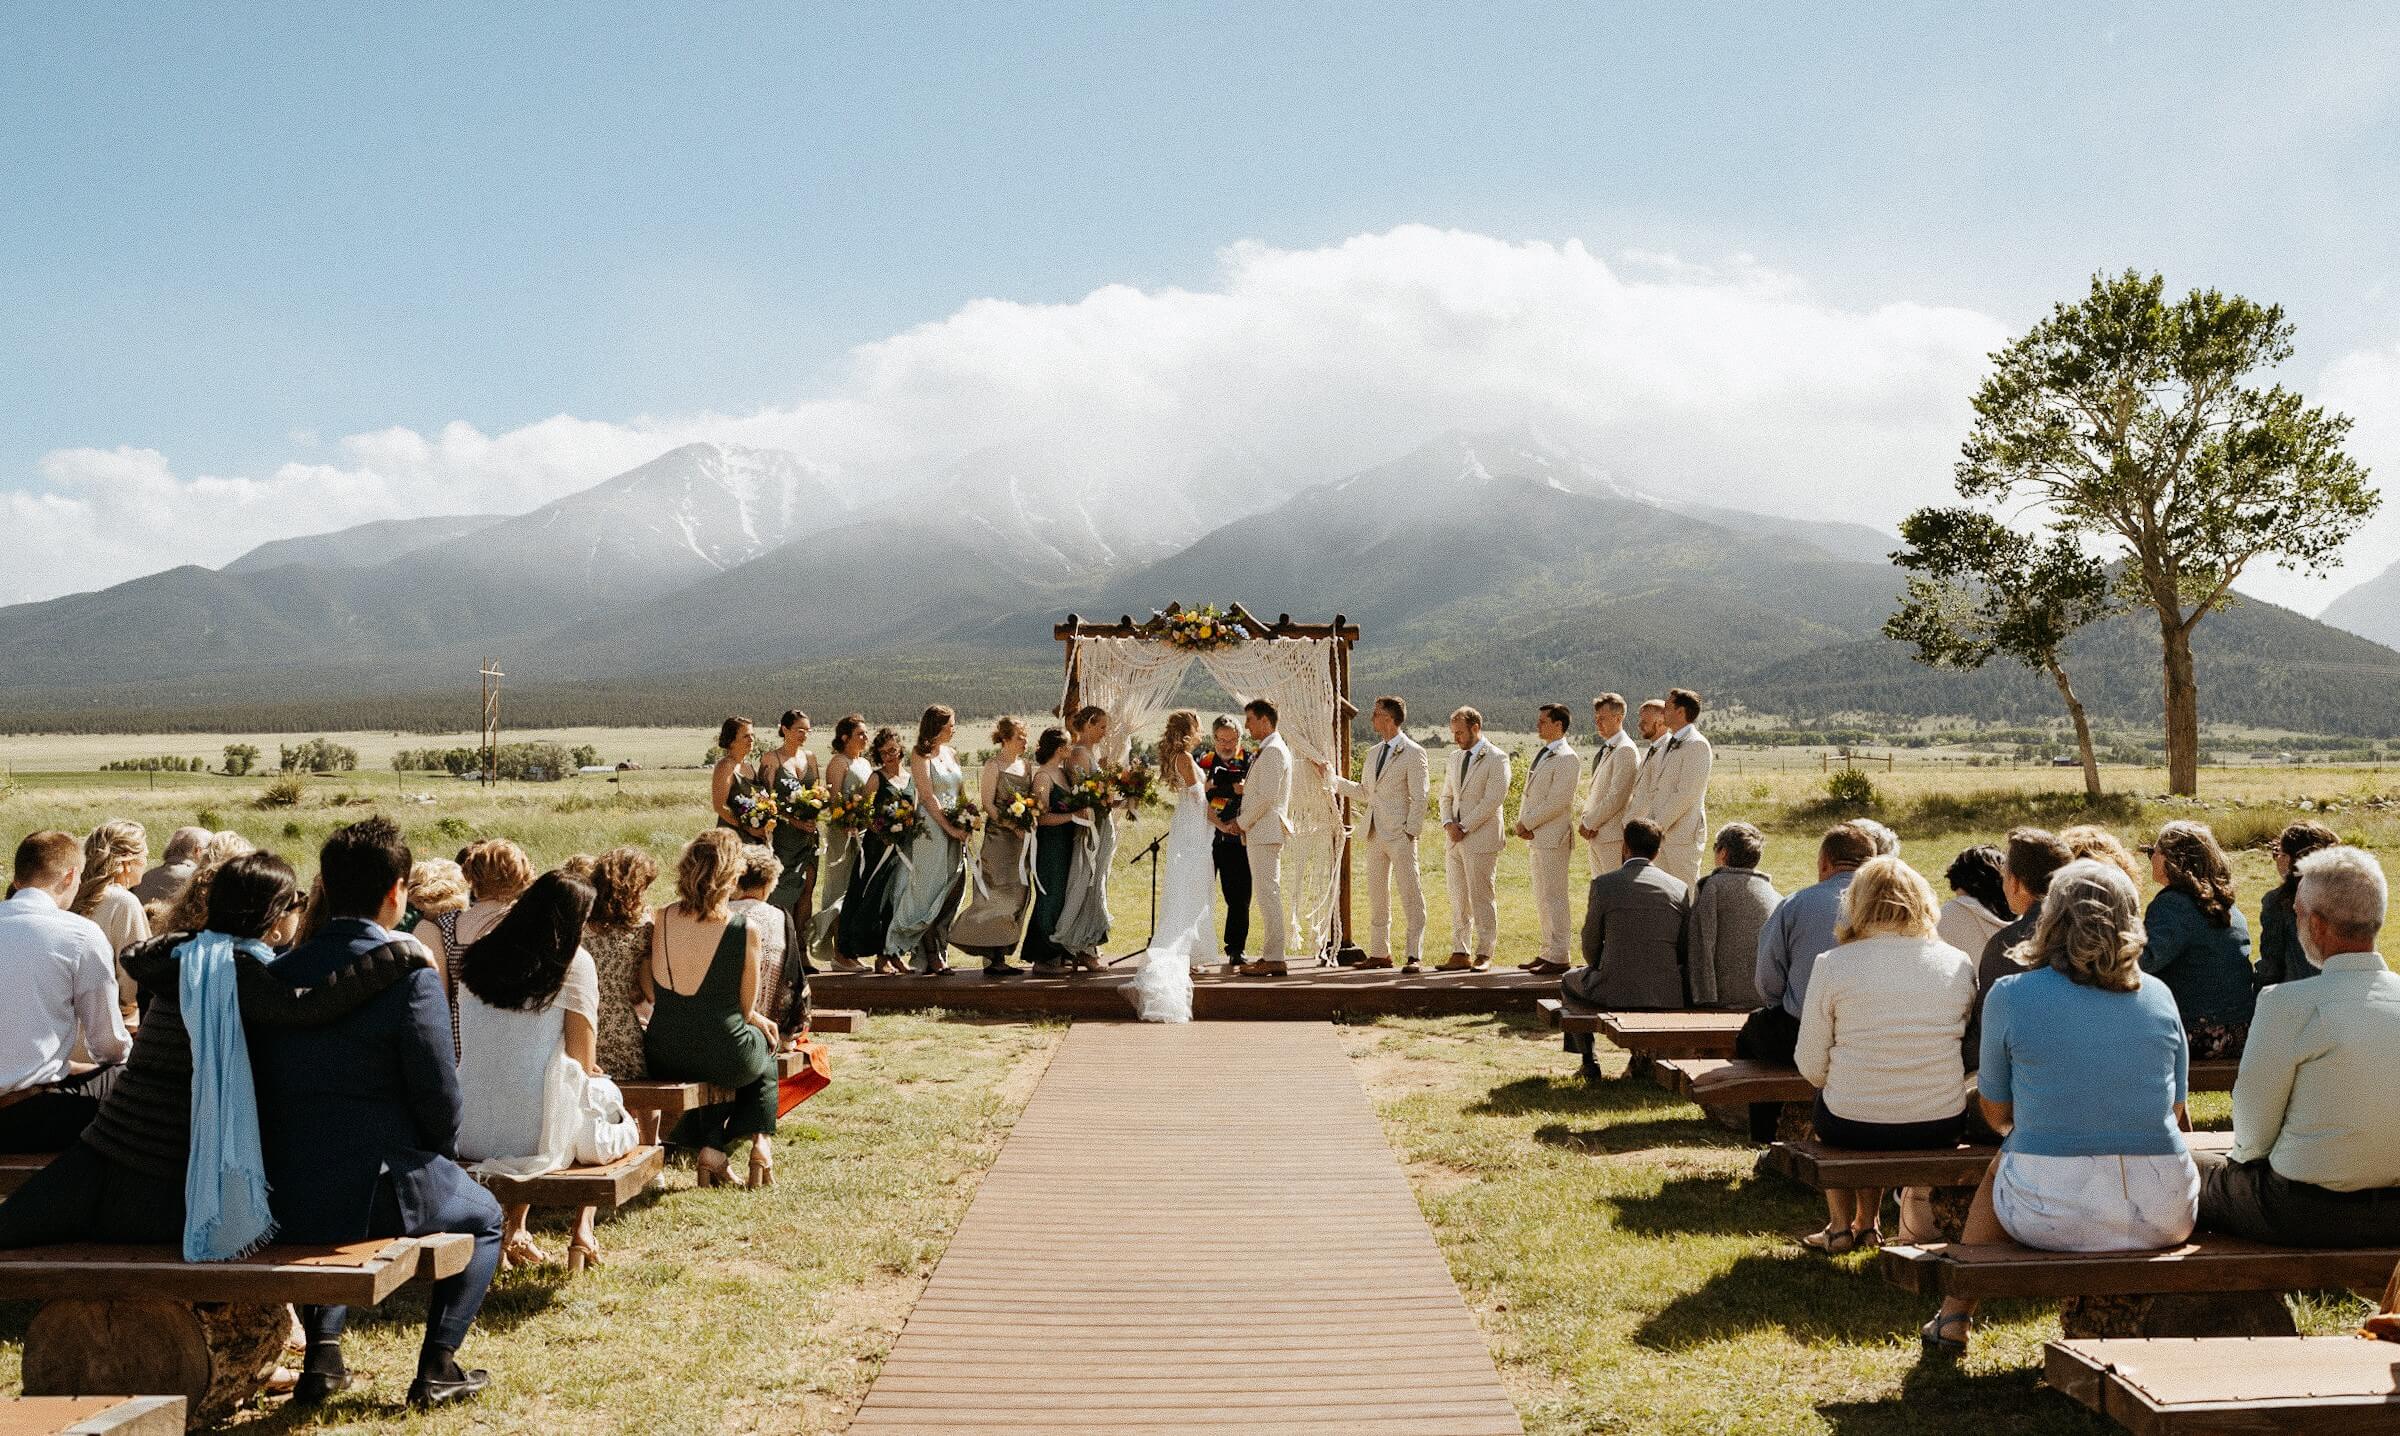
x: 2183, y: 707
x: 2083, y: 732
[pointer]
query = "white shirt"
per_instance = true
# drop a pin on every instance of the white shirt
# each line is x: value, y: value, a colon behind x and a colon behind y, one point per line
x: 61, y: 981
x: 1556, y: 747
x: 1967, y: 925
x: 1684, y: 734
x: 1881, y: 1027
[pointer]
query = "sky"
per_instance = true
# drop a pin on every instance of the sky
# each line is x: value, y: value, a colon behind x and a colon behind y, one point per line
x: 270, y: 269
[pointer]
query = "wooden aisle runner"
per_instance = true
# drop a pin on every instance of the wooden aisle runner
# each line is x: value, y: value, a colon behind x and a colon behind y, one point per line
x: 1193, y: 1228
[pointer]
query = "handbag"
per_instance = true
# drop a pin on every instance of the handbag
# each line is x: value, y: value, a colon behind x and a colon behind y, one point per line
x: 816, y: 1071
x: 604, y: 1131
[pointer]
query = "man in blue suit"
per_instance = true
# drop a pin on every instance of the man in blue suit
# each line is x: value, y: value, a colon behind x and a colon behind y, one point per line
x: 360, y: 1118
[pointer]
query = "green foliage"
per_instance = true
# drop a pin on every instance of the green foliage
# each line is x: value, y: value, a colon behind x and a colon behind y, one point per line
x: 292, y: 829
x: 162, y: 763
x: 240, y: 758
x: 209, y: 818
x: 542, y: 761
x: 316, y: 755
x: 455, y: 829
x: 1850, y: 790
x: 282, y: 793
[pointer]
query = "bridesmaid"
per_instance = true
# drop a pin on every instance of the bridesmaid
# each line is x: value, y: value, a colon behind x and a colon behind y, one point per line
x: 847, y: 772
x: 1057, y: 836
x: 729, y: 778
x: 990, y: 925
x: 876, y: 873
x: 937, y: 866
x: 1083, y: 927
x: 795, y: 842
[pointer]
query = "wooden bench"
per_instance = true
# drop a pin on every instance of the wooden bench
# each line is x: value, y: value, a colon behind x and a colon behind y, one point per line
x: 1818, y: 1166
x: 608, y: 1187
x: 141, y: 1320
x: 16, y: 1167
x: 1559, y: 1017
x: 92, y: 1416
x: 1733, y: 1082
x: 658, y: 1103
x: 2296, y: 1384
x: 837, y: 1019
x: 2214, y: 1075
x: 1674, y: 1034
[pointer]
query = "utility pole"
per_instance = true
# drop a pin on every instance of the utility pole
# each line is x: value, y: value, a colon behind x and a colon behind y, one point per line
x: 491, y: 718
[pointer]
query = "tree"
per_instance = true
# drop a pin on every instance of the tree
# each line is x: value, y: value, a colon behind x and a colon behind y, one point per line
x: 2128, y: 417
x: 1979, y: 589
x: 240, y: 758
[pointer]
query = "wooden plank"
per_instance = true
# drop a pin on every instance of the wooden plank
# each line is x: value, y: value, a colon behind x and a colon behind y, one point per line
x: 1723, y: 1082
x: 1241, y: 1253
x: 354, y: 1274
x: 1818, y: 1166
x: 2299, y: 1384
x: 92, y: 1416
x: 2211, y: 1264
x: 16, y: 1167
x: 609, y: 1186
x: 1307, y: 994
x: 2213, y: 1075
x: 837, y: 1019
x: 1674, y: 1034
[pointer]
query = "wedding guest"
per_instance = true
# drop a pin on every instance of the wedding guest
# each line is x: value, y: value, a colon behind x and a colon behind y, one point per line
x: 528, y: 1011
x: 1391, y: 793
x: 61, y: 978
x: 2315, y: 1162
x: 164, y: 883
x: 877, y: 875
x: 992, y: 923
x: 705, y: 1023
x: 114, y: 855
x: 1224, y: 768
x: 936, y: 874
x: 2281, y: 958
x: 1979, y: 906
x: 437, y: 894
x: 2085, y: 1068
x: 1546, y: 820
x: 2199, y: 942
x: 1887, y: 842
x: 185, y: 1099
x: 1635, y: 924
x: 497, y: 871
x: 1880, y: 1037
x: 1801, y: 927
x: 577, y: 866
x: 2089, y: 840
x: 190, y: 910
x: 789, y: 768
x: 1677, y: 792
x: 782, y: 962
x: 1055, y: 840
x: 1083, y: 927
x: 1729, y: 910
x: 2028, y: 860
x: 617, y: 935
x: 731, y: 778
x: 846, y: 773
x: 359, y: 1118
x: 1472, y: 798
x: 1616, y: 763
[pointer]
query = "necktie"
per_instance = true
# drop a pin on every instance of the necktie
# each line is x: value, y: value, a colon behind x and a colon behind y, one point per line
x: 1466, y: 760
x: 1538, y: 755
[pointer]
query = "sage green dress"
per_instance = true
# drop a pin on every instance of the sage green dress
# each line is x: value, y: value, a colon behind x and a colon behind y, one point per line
x: 1083, y: 923
x: 703, y: 1037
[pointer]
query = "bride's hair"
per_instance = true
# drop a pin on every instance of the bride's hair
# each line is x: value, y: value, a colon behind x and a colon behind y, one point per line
x: 1182, y: 724
x: 1052, y: 740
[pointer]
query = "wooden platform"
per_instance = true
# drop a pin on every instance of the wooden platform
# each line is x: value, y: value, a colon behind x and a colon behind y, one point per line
x: 16, y: 1167
x: 92, y: 1416
x: 2297, y: 1384
x: 1308, y: 994
x: 1193, y: 1229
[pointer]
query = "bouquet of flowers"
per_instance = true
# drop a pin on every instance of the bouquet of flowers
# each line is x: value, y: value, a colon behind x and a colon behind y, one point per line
x: 1197, y: 630
x: 755, y: 808
x: 800, y: 802
x: 898, y: 823
x: 1087, y: 795
x: 849, y: 813
x: 1019, y: 813
x: 967, y: 816
x: 1131, y: 786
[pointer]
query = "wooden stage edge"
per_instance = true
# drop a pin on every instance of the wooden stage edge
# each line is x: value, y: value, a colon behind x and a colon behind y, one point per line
x: 1307, y: 994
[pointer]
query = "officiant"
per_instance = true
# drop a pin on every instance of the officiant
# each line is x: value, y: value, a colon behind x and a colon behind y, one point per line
x: 1223, y: 768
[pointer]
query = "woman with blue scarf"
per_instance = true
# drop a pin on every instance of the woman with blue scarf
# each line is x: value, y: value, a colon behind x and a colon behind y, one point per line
x: 173, y: 1156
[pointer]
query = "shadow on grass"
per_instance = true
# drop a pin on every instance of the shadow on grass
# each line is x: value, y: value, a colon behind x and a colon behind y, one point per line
x: 1638, y: 1136
x: 1938, y: 1396
x: 1527, y: 1096
x: 1718, y: 1206
x: 1807, y: 1296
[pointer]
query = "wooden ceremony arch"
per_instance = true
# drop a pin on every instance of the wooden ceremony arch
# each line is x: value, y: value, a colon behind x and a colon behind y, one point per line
x: 1342, y: 631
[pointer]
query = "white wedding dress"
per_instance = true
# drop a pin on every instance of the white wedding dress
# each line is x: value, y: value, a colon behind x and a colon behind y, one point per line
x: 1187, y: 935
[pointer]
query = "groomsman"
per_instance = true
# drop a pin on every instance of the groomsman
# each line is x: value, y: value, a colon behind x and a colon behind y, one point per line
x: 1224, y: 768
x: 1265, y: 823
x: 1614, y: 766
x: 1546, y: 819
x: 1393, y: 791
x: 1471, y: 802
x: 1678, y: 798
x: 1651, y: 724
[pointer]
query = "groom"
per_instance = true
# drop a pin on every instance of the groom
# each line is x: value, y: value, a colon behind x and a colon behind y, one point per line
x: 1265, y: 822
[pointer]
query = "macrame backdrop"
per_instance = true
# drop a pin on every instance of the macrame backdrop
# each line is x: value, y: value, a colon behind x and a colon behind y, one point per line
x: 1133, y: 678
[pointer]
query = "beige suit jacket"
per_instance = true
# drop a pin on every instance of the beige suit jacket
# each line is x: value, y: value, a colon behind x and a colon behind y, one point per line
x: 1548, y: 807
x: 1610, y: 801
x: 1475, y: 803
x: 1395, y: 799
x: 1678, y: 797
x: 1267, y: 795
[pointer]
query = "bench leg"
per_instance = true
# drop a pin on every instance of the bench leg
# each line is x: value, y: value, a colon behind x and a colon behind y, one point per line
x: 2183, y: 1314
x: 217, y: 1356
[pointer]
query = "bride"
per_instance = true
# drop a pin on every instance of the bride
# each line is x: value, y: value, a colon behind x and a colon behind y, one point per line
x: 1162, y: 987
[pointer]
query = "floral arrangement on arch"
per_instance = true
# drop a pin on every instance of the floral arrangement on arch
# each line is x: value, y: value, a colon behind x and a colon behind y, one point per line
x: 1202, y: 629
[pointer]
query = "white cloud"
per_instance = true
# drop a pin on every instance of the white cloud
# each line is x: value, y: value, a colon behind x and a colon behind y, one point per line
x: 1725, y: 381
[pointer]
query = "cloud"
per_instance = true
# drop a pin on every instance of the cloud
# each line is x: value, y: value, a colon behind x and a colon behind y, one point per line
x: 1724, y: 381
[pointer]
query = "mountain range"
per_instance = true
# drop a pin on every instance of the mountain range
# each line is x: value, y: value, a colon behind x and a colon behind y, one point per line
x: 1500, y: 568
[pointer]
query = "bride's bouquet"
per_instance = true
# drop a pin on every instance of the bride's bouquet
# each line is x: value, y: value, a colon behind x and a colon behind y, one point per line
x: 1198, y: 630
x: 1019, y: 813
x: 1133, y: 785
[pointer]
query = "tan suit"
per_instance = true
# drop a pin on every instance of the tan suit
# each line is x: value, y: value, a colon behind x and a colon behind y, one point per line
x: 1392, y: 788
x: 1473, y: 799
x: 1610, y: 802
x: 1548, y: 812
x: 1265, y: 822
x: 1676, y: 799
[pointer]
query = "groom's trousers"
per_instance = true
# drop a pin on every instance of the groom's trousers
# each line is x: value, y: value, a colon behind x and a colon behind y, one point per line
x: 1233, y: 879
x: 1393, y: 860
x: 1266, y: 889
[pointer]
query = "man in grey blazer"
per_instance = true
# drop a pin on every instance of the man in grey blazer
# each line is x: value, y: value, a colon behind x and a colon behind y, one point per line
x: 1633, y: 938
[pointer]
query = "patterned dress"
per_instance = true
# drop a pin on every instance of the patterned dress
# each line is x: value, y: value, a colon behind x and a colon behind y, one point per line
x: 618, y: 954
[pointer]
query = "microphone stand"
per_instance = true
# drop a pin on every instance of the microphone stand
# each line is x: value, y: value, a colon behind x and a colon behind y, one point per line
x: 1150, y: 852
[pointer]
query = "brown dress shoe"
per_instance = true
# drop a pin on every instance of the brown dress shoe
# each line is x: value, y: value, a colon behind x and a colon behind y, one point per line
x: 1459, y: 962
x: 1374, y: 964
x: 1413, y: 965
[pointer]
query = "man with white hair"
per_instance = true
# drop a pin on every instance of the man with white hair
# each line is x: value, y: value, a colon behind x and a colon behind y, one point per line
x: 166, y: 882
x: 2316, y: 1154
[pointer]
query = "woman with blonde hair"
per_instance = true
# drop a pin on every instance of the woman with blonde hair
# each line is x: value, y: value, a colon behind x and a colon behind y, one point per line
x: 2085, y: 1068
x: 937, y: 856
x: 993, y: 922
x: 702, y: 981
x: 617, y: 935
x: 2198, y: 941
x: 497, y: 872
x: 1880, y: 1037
x: 2090, y: 840
x: 113, y: 858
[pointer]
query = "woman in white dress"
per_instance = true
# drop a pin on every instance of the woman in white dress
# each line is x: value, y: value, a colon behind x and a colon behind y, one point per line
x: 1162, y: 987
x: 528, y: 1016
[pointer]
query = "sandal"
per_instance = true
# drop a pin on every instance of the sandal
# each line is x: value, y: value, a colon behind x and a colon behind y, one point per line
x: 1937, y: 1344
x: 711, y: 1174
x: 582, y: 1254
x: 1832, y: 1242
x: 522, y: 1250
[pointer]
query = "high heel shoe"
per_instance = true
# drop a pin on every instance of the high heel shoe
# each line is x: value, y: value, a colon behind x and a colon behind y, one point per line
x: 762, y: 1172
x: 582, y: 1254
x: 711, y: 1174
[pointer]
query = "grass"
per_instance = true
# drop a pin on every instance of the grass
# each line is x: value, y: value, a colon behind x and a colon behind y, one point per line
x: 1632, y: 1274
x: 729, y: 1310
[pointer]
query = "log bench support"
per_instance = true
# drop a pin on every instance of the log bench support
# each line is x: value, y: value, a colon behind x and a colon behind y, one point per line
x: 92, y: 1416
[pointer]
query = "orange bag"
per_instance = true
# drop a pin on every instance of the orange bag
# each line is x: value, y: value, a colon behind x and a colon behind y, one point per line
x: 814, y: 1075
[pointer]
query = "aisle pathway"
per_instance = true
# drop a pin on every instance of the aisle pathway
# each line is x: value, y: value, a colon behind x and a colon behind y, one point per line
x: 1196, y: 1228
